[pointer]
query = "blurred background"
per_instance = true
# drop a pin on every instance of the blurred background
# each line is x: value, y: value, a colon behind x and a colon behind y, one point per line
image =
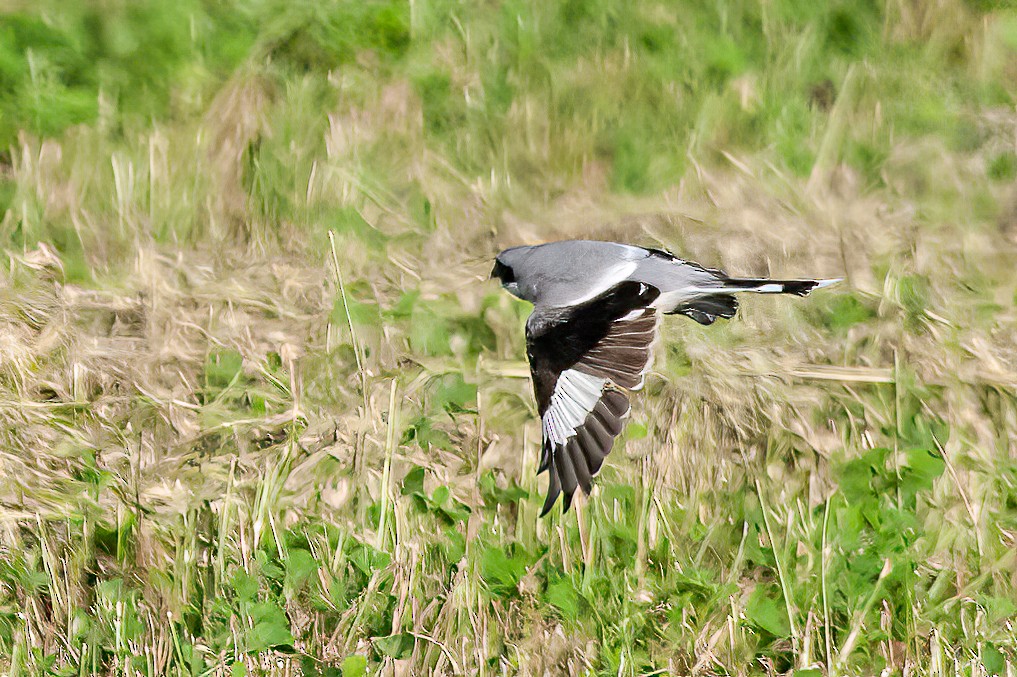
x: 262, y: 413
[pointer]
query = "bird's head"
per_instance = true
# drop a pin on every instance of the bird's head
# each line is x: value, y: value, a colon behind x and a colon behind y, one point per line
x: 507, y: 269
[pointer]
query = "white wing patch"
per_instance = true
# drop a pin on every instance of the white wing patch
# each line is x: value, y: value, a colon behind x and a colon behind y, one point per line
x: 574, y: 397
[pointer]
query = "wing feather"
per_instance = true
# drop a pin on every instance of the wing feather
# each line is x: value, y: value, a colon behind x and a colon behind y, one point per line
x: 584, y: 361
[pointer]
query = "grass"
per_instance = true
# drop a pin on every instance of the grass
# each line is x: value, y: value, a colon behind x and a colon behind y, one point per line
x: 260, y: 413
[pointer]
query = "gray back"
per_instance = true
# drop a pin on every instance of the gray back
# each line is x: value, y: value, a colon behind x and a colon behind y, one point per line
x: 564, y: 273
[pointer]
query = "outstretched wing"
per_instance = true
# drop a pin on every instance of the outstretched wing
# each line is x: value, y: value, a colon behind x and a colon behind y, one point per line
x: 584, y: 360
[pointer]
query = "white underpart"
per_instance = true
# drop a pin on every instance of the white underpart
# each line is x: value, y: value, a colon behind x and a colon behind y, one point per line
x: 669, y: 300
x: 609, y: 278
x: 574, y: 397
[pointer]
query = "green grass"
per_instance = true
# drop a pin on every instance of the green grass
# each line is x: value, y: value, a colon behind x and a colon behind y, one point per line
x: 214, y: 459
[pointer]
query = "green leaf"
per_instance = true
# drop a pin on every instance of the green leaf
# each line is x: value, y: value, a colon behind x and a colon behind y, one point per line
x: 843, y: 311
x: 300, y: 565
x: 440, y: 495
x: 222, y: 367
x: 267, y: 566
x: 809, y: 672
x: 354, y: 665
x: 367, y: 559
x: 413, y: 483
x: 238, y: 669
x: 696, y: 583
x: 455, y: 512
x: 347, y: 220
x: 395, y: 646
x: 766, y: 611
x: 404, y: 306
x: 429, y: 332
x: 635, y: 431
x: 857, y: 475
x: 443, y: 504
x: 993, y: 659
x: 923, y: 467
x: 244, y: 585
x: 339, y: 594
x: 913, y: 292
x: 493, y: 494
x: 562, y: 595
x: 271, y: 628
x: 503, y: 571
x: 756, y: 553
x: 422, y: 431
x: 366, y: 314
x: 453, y: 393
x: 453, y: 545
x: 998, y: 608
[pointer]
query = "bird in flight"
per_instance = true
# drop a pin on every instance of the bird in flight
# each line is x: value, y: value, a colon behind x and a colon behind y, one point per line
x: 596, y: 306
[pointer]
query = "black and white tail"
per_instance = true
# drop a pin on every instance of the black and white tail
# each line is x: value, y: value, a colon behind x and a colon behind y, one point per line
x: 719, y: 301
x: 764, y: 286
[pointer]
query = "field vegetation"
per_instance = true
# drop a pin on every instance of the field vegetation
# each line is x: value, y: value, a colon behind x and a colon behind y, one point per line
x: 261, y: 412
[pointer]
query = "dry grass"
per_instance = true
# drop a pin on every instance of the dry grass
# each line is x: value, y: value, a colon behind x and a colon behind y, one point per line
x: 210, y: 455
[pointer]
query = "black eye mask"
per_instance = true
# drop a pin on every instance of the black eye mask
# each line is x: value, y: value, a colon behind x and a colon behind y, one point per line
x: 502, y: 272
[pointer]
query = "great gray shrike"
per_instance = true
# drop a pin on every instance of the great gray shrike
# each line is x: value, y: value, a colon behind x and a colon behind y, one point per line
x: 595, y: 311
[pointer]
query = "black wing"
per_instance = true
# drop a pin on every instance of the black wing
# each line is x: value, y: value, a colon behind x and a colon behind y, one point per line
x: 583, y: 360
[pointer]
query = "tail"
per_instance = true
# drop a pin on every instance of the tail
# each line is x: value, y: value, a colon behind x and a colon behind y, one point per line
x: 719, y: 301
x: 764, y: 286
